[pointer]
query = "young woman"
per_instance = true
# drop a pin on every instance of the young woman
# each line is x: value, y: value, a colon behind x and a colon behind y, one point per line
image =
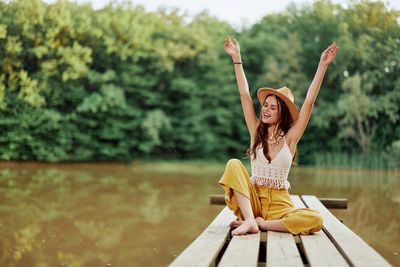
x: 262, y: 201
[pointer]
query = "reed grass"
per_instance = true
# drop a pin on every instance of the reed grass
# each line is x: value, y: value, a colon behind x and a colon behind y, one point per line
x: 375, y: 160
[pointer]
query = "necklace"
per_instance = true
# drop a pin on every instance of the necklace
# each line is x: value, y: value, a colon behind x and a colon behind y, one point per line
x: 275, y: 138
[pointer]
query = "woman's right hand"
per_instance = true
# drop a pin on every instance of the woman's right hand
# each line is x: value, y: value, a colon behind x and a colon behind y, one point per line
x: 232, y: 48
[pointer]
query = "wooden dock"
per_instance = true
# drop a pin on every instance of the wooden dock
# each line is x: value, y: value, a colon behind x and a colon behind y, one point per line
x: 334, y: 245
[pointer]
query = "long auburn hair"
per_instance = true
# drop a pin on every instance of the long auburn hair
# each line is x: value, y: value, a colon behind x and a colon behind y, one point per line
x: 284, y: 124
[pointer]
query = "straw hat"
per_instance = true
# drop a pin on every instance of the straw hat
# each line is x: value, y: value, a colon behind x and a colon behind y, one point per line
x: 284, y: 93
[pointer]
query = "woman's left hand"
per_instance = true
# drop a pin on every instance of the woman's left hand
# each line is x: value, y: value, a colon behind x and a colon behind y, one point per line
x: 329, y: 54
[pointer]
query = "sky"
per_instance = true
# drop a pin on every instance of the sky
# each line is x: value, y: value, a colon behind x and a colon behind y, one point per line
x: 236, y: 12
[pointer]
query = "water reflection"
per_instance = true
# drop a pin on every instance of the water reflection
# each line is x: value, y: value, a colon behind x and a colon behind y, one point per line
x: 373, y: 203
x: 146, y: 214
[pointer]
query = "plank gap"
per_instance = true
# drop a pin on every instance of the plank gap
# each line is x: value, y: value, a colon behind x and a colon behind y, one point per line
x: 262, y: 253
x: 222, y: 251
x: 301, y: 249
x: 337, y: 246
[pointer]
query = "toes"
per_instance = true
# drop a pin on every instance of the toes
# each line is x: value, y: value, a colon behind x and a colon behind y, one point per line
x: 235, y: 232
x: 235, y: 223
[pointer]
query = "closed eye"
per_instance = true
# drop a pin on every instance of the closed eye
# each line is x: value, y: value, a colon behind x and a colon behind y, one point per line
x: 272, y: 106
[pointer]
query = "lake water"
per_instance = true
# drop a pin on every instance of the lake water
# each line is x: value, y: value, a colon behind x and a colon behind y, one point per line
x: 145, y: 214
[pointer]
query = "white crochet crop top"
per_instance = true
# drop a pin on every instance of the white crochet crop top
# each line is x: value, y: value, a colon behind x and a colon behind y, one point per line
x: 274, y: 174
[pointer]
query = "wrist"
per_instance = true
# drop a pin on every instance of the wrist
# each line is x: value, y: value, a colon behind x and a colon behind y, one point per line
x: 323, y: 64
x: 237, y: 59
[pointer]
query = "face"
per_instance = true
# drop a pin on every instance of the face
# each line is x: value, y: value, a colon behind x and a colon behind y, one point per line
x: 270, y: 111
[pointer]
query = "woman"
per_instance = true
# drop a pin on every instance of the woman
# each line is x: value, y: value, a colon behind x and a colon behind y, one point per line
x: 262, y: 201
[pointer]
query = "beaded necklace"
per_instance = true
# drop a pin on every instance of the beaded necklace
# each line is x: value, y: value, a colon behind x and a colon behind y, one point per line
x: 275, y: 138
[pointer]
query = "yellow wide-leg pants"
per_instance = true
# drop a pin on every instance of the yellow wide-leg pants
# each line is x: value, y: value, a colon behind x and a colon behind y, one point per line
x: 266, y: 202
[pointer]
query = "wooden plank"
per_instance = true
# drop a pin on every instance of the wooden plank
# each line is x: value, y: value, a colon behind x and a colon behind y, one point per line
x: 297, y: 202
x: 242, y: 251
x: 217, y: 200
x: 320, y: 251
x: 330, y: 203
x: 282, y: 250
x: 334, y: 203
x: 204, y: 250
x: 356, y: 251
x: 317, y: 247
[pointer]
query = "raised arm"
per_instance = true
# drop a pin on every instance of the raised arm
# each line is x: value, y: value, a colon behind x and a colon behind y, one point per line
x: 233, y: 49
x: 297, y: 130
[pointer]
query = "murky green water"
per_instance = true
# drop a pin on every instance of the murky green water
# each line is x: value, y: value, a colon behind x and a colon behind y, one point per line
x: 146, y: 214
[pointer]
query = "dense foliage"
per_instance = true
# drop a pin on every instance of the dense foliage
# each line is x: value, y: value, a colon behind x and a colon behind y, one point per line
x: 121, y: 83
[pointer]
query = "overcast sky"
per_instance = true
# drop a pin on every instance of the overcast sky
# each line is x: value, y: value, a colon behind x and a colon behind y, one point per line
x: 236, y: 12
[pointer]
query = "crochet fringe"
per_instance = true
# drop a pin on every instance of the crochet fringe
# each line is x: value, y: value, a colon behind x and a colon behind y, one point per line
x: 274, y: 183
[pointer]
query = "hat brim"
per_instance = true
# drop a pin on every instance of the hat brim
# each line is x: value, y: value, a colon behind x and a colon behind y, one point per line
x: 264, y: 91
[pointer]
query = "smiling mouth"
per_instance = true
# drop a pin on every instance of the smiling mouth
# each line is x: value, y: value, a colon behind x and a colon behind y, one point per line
x: 266, y: 116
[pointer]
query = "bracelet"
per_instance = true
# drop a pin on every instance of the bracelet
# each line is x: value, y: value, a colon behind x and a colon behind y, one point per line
x: 239, y: 62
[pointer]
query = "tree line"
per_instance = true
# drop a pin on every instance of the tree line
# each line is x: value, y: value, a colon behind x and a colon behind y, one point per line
x: 121, y: 83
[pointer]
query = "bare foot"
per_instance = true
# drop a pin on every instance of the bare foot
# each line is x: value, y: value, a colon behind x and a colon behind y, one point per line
x: 236, y: 223
x: 248, y: 226
x: 261, y: 223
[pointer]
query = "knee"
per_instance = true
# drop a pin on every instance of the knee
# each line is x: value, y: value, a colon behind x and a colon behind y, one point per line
x: 304, y: 222
x: 233, y: 162
x: 318, y: 222
x: 233, y: 166
x: 234, y: 171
